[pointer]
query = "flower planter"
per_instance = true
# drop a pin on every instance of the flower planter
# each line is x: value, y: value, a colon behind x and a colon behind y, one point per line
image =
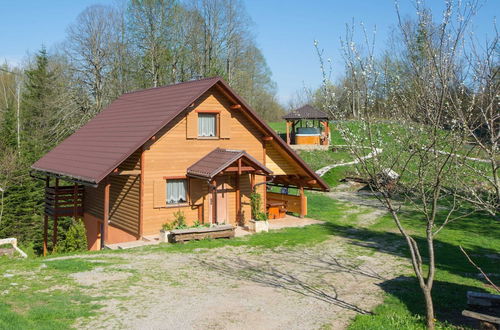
x: 258, y: 226
x: 183, y: 235
x: 164, y: 235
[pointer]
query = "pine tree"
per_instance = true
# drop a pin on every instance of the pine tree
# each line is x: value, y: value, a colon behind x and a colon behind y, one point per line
x: 37, y: 110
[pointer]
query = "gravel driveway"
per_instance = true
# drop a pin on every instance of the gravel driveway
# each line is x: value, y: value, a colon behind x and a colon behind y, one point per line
x: 240, y: 288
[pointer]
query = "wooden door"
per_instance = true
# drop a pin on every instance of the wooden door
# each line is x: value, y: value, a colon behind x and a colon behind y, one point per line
x: 222, y: 216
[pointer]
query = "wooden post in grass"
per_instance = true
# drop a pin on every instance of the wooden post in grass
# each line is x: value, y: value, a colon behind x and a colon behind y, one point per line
x: 105, y: 226
x: 56, y: 209
x: 45, y: 220
x: 303, y: 202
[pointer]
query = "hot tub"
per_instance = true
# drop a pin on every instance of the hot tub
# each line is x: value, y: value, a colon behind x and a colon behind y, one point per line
x: 308, y: 135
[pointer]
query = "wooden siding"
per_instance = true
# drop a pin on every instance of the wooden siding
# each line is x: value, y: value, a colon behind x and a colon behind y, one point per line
x: 124, y: 197
x: 175, y: 149
x: 279, y: 162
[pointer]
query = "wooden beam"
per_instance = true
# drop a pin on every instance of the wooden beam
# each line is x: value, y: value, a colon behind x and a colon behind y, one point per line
x: 104, y: 235
x: 267, y: 138
x: 214, y: 201
x: 236, y: 106
x: 252, y: 181
x: 240, y: 169
x: 75, y: 201
x: 141, y: 195
x: 200, y: 214
x: 238, y: 200
x: 126, y: 172
x: 56, y: 220
x: 287, y: 132
x: 45, y: 221
x: 303, y: 202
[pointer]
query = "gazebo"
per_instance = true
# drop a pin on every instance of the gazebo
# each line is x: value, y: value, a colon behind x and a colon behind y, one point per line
x: 307, y: 125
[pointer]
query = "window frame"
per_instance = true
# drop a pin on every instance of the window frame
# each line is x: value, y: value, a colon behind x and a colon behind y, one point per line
x: 216, y: 114
x: 177, y: 178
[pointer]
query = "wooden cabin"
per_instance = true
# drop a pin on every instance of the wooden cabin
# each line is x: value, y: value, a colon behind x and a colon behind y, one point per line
x: 195, y: 146
x: 307, y: 125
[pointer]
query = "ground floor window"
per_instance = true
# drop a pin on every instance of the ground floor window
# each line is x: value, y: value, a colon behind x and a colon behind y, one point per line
x: 176, y: 191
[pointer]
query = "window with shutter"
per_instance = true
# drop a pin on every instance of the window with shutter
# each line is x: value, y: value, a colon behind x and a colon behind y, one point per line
x: 176, y: 191
x: 207, y: 125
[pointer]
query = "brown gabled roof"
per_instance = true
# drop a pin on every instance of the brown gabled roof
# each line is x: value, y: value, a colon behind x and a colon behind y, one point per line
x: 220, y: 159
x: 306, y: 112
x: 101, y: 145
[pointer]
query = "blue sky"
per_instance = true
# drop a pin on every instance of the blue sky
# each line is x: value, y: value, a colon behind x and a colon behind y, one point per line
x: 285, y: 30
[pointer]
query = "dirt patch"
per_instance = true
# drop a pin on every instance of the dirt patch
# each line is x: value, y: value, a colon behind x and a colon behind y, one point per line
x: 97, y: 276
x: 242, y: 288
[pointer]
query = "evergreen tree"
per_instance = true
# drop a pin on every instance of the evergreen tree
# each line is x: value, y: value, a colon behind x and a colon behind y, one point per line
x: 37, y: 109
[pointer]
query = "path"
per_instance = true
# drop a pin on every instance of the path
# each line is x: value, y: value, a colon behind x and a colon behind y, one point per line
x: 322, y: 171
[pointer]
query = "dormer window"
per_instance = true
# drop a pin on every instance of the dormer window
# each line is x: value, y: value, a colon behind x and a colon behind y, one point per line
x: 207, y: 124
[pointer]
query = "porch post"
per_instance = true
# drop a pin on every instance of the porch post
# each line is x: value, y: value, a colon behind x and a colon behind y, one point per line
x: 252, y: 181
x: 214, y: 201
x: 104, y: 235
x: 75, y: 198
x: 56, y: 207
x: 45, y: 220
x: 288, y: 132
x: 303, y: 202
x: 238, y: 193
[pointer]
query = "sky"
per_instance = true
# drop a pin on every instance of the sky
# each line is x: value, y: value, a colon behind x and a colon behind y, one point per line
x: 285, y: 30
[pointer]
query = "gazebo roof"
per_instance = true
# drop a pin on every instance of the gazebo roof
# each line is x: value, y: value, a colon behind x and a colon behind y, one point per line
x: 306, y: 112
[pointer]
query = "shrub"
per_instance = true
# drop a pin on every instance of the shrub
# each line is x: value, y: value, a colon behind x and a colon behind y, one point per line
x: 75, y: 240
x: 178, y: 223
x: 255, y: 205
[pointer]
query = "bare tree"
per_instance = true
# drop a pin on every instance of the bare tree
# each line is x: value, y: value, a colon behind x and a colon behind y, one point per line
x: 89, y: 47
x: 478, y: 113
x: 150, y: 24
x: 424, y: 146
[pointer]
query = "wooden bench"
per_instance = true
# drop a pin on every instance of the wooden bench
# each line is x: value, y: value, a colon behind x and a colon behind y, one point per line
x: 189, y: 234
x: 485, y: 308
x: 276, y: 209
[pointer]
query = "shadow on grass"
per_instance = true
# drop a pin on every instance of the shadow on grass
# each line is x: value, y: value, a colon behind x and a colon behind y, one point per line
x: 454, y: 277
x: 449, y: 298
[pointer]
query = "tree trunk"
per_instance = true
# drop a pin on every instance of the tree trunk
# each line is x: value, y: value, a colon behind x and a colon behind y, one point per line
x: 429, y: 308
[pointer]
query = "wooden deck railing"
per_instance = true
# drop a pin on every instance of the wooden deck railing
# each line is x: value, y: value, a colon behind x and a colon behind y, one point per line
x: 64, y: 201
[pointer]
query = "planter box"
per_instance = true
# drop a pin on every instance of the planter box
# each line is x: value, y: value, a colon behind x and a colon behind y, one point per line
x: 183, y: 235
x: 258, y: 226
x: 164, y: 234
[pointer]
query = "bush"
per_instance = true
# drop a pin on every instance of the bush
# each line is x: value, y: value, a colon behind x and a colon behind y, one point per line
x: 178, y: 223
x: 75, y: 240
x: 255, y: 205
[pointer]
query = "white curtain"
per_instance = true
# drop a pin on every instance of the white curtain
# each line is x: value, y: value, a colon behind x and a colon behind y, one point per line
x: 206, y: 124
x: 176, y: 191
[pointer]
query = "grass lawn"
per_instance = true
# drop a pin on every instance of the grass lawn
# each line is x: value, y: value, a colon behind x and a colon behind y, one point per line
x: 403, y: 307
x: 41, y: 294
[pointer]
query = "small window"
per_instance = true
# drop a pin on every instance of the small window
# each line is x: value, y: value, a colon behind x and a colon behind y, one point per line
x: 207, y: 124
x: 176, y: 191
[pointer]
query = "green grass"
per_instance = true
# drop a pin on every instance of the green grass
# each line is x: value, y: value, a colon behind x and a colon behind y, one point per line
x: 39, y: 294
x: 404, y: 305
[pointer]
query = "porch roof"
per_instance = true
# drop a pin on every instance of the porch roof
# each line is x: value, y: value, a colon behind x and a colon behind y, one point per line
x: 220, y: 159
x: 306, y: 112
